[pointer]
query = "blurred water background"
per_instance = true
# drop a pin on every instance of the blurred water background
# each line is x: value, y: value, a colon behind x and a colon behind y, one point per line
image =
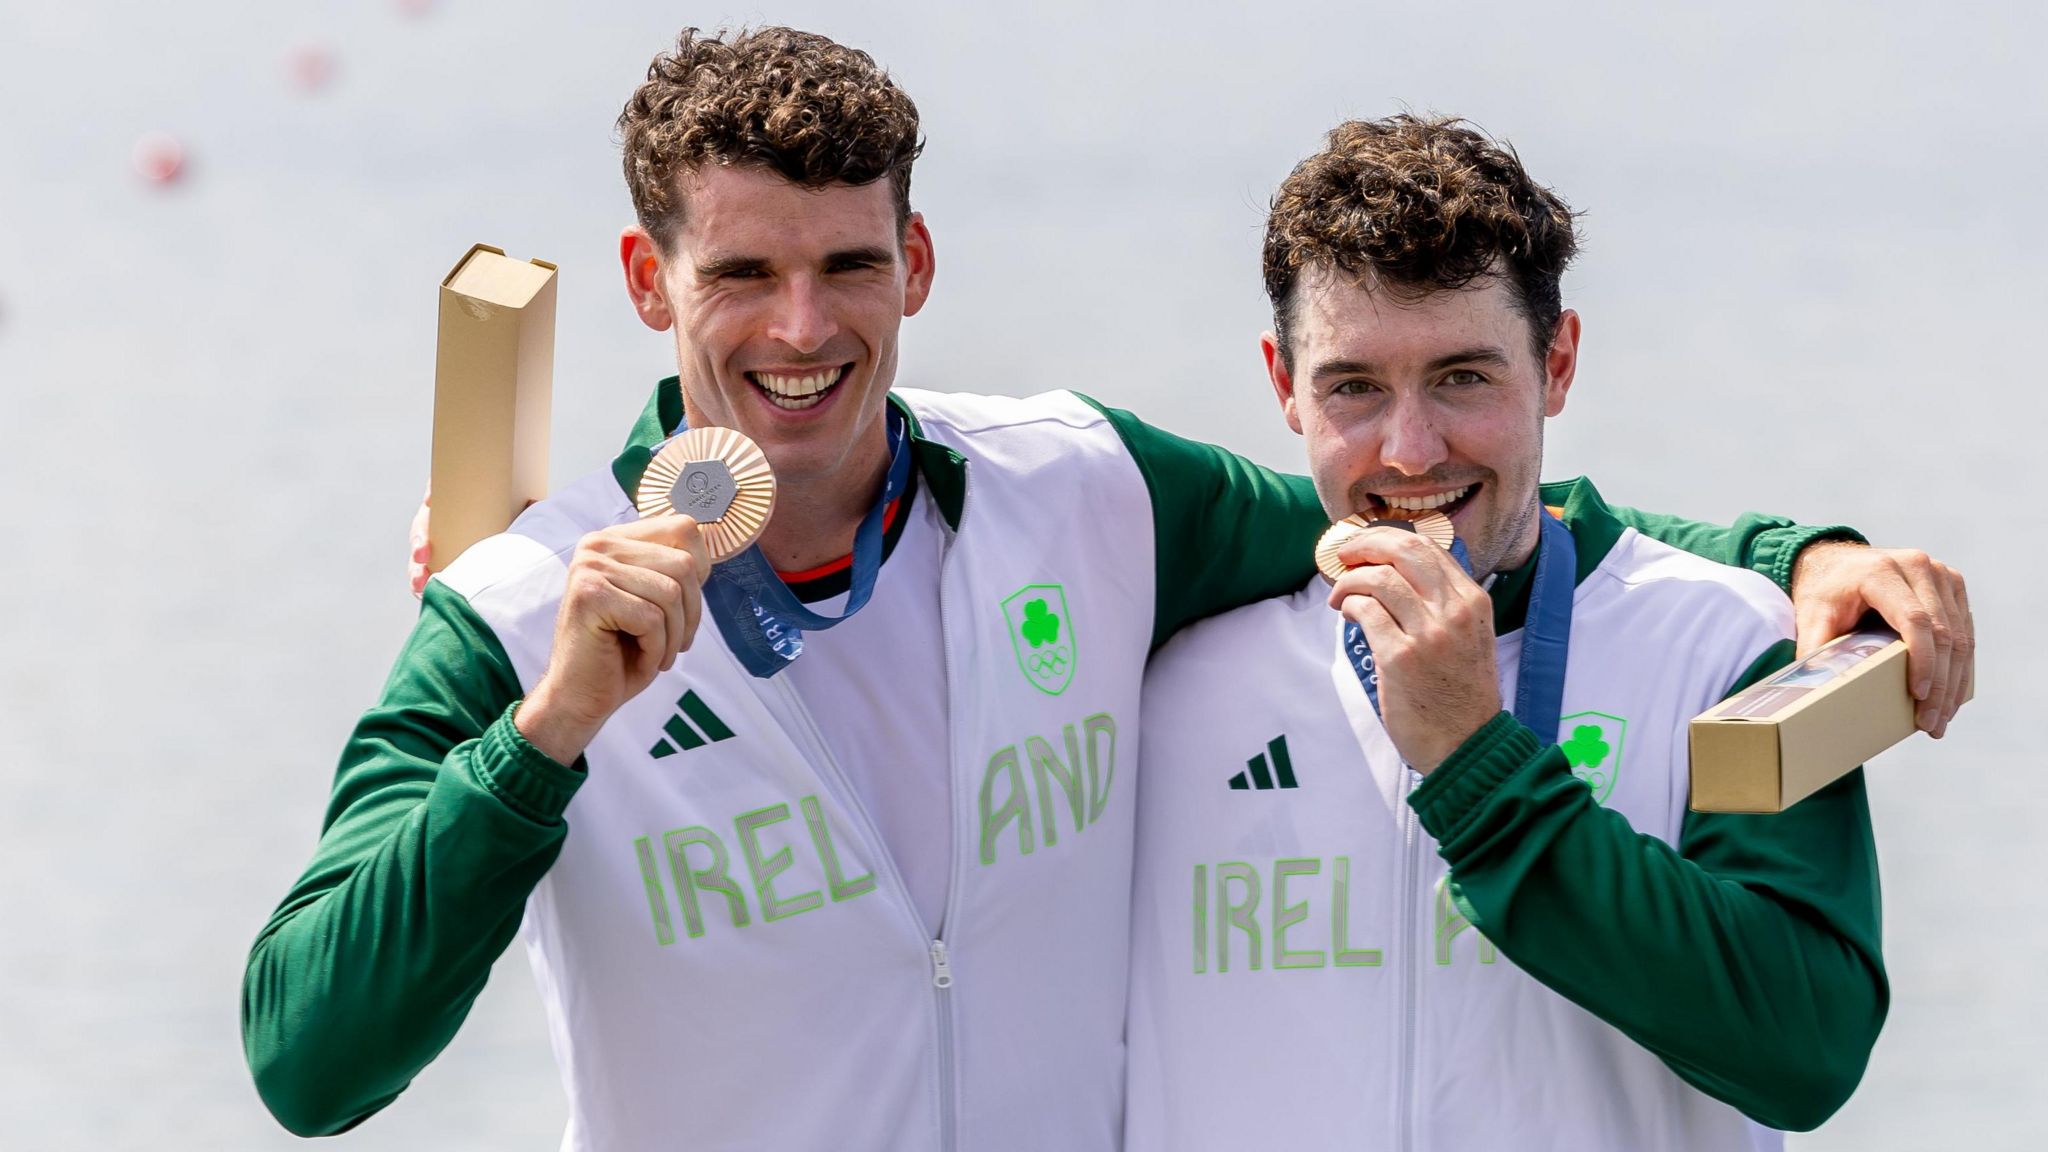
x: 1811, y: 284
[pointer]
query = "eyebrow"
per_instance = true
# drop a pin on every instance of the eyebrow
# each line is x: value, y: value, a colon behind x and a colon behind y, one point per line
x: 864, y: 255
x: 1477, y: 354
x: 727, y: 265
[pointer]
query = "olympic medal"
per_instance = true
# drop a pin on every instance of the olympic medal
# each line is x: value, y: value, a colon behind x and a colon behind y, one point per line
x: 720, y: 478
x: 1433, y: 526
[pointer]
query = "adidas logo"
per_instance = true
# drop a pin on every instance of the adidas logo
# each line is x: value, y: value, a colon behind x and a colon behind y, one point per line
x: 1256, y: 773
x: 709, y: 728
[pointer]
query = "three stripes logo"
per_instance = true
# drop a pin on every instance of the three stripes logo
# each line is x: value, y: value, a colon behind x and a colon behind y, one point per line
x: 709, y: 728
x: 1262, y: 771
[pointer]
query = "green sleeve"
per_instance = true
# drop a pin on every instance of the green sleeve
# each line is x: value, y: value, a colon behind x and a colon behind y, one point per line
x: 1226, y: 532
x: 1747, y: 958
x: 442, y: 820
x: 1766, y: 544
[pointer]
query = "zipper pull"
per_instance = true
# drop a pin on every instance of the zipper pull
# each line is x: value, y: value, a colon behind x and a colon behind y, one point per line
x: 942, y: 970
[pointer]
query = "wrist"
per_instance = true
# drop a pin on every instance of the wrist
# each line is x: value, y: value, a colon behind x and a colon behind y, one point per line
x: 1792, y: 556
x: 1469, y: 777
x: 1817, y: 554
x: 527, y: 779
x: 553, y: 729
x: 1458, y: 733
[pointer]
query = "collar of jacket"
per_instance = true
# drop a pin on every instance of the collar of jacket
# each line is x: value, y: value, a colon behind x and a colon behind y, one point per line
x: 1594, y: 530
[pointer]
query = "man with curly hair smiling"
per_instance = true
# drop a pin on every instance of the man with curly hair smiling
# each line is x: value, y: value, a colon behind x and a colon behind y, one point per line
x: 872, y: 897
x: 1583, y: 963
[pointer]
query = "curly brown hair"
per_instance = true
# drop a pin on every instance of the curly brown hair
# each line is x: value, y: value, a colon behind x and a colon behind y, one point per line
x: 805, y: 107
x: 1413, y: 205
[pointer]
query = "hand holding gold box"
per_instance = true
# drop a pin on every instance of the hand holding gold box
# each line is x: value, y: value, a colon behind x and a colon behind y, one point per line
x: 1786, y: 737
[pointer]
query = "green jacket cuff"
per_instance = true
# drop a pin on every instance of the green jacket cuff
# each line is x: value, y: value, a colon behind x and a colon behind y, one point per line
x: 1776, y: 551
x: 527, y: 779
x: 1449, y: 797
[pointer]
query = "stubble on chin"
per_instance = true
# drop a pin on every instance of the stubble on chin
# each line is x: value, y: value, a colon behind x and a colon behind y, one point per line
x: 1502, y: 552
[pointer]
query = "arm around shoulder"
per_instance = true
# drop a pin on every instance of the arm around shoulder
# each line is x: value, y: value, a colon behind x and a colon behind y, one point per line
x: 1761, y: 543
x: 1227, y: 532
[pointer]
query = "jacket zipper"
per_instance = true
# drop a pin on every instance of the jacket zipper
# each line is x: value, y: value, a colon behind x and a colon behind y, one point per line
x: 935, y: 942
x: 942, y: 980
x: 942, y: 969
x: 1410, y: 870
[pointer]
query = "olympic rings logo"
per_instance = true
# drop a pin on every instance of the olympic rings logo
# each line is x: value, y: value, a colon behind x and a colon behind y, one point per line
x: 1049, y: 665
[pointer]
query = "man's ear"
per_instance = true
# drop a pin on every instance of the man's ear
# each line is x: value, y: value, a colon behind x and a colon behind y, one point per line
x: 1561, y: 363
x: 919, y: 262
x: 1282, y: 378
x: 641, y: 259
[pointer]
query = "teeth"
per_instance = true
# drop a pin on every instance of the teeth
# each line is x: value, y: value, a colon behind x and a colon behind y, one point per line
x: 1425, y: 503
x: 799, y: 388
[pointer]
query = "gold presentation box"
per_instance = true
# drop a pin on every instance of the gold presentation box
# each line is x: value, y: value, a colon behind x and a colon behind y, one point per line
x: 494, y: 375
x: 1782, y: 739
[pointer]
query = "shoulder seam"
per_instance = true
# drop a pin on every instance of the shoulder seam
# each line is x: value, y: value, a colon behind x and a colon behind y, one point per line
x: 1728, y: 591
x: 505, y: 577
x: 500, y: 578
x: 1096, y: 418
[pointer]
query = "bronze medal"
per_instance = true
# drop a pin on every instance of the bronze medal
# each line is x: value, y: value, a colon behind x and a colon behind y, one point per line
x: 1432, y: 525
x: 720, y: 478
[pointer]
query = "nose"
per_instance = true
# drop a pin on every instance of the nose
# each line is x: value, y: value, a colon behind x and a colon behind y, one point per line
x: 1411, y: 444
x: 802, y: 318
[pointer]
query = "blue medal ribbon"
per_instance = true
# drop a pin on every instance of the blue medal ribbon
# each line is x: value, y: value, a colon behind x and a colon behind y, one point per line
x: 1546, y: 633
x: 761, y: 619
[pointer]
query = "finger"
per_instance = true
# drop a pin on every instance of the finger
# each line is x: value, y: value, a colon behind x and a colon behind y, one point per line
x: 1967, y: 682
x: 685, y: 566
x: 1430, y: 570
x: 1963, y: 655
x: 693, y: 613
x: 596, y: 606
x: 662, y: 591
x: 672, y: 531
x: 418, y: 535
x: 1371, y: 617
x: 1930, y: 581
x: 683, y: 572
x: 643, y: 656
x: 1384, y: 584
x: 645, y: 628
x: 1930, y: 679
x: 1892, y: 596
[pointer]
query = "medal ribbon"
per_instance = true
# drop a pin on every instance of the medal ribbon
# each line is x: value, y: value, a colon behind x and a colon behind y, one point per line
x: 761, y: 619
x: 1546, y: 633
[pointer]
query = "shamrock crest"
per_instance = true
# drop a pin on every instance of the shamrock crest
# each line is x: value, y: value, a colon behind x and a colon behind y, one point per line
x: 1585, y: 749
x: 1040, y: 626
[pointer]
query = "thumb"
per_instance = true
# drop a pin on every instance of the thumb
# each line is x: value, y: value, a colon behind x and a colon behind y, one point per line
x: 676, y: 531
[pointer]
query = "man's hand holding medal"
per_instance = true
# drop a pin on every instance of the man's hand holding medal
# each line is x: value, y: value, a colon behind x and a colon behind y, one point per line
x: 632, y: 602
x: 635, y: 591
x: 1430, y: 629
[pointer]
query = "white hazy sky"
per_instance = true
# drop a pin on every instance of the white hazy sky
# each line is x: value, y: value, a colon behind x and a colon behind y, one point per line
x: 1810, y: 281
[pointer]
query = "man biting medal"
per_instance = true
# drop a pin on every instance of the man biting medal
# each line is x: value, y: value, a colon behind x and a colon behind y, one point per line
x: 1419, y: 872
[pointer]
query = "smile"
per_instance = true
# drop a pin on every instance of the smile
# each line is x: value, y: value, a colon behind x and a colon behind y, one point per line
x: 1447, y: 502
x: 794, y: 393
